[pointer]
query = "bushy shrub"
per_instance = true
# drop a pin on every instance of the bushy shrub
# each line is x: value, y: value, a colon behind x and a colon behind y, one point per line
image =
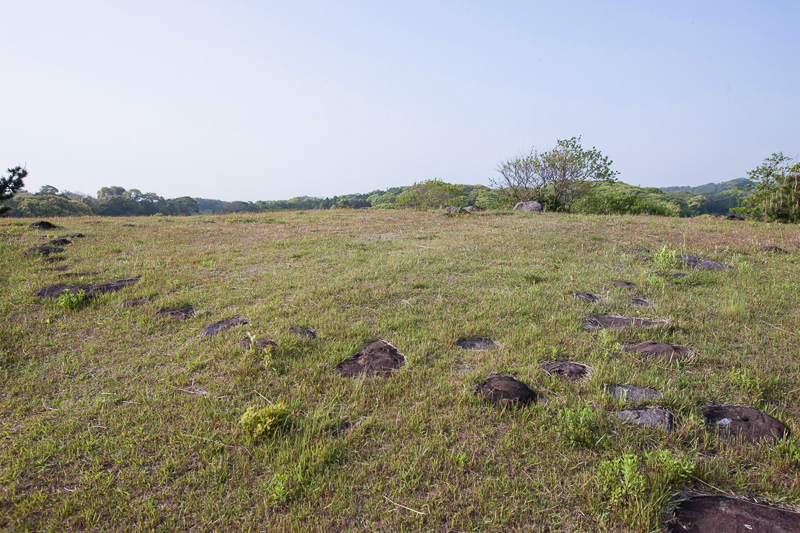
x: 258, y: 422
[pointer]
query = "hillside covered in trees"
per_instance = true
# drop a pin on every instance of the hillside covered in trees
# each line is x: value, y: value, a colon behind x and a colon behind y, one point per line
x: 606, y: 198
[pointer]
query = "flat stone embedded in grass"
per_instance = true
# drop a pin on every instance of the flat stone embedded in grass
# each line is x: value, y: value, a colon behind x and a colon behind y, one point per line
x: 112, y: 286
x: 75, y: 236
x: 44, y: 250
x: 632, y: 393
x: 641, y: 302
x: 262, y: 343
x: 379, y: 358
x: 591, y: 322
x: 214, y: 328
x: 584, y: 296
x: 505, y: 390
x: 742, y: 421
x: 54, y: 259
x: 701, y: 264
x: 136, y: 302
x: 652, y: 417
x: 570, y: 370
x: 667, y: 275
x: 670, y: 352
x: 477, y: 343
x: 183, y: 313
x: 622, y: 284
x: 52, y: 292
x: 721, y: 514
x: 42, y: 224
x: 308, y: 333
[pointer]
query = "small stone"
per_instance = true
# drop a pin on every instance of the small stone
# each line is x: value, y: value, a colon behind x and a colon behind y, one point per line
x: 701, y: 264
x: 742, y: 421
x: 378, y: 358
x: 42, y: 224
x: 180, y: 312
x: 670, y: 352
x: 584, y: 296
x: 632, y: 393
x: 570, y: 370
x: 308, y: 333
x: 528, y: 206
x: 623, y: 284
x: 772, y: 248
x: 591, y: 322
x: 44, y: 250
x: 505, y: 390
x: 212, y: 329
x: 59, y: 242
x: 477, y: 343
x: 652, y: 417
x: 641, y: 302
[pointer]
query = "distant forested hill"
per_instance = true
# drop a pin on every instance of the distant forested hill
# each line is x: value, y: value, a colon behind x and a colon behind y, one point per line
x: 712, y: 188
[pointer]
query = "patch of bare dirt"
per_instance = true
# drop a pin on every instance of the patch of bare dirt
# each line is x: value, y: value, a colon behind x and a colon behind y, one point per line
x: 670, y: 352
x: 746, y: 422
x: 721, y: 514
x: 570, y: 370
x: 505, y: 390
x: 379, y: 358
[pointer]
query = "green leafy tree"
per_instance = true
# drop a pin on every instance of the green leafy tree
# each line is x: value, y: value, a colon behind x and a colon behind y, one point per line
x: 556, y: 178
x: 47, y: 189
x: 775, y: 195
x: 430, y: 194
x: 110, y: 191
x: 9, y: 185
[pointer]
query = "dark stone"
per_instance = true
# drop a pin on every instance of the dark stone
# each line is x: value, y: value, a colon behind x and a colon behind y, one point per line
x: 52, y: 292
x: 746, y: 422
x: 59, y: 242
x: 262, y: 343
x: 632, y: 393
x: 667, y: 275
x: 652, y: 417
x: 54, y: 259
x: 43, y: 250
x: 584, y: 296
x: 180, y: 312
x: 377, y: 358
x: 137, y: 302
x: 566, y: 369
x: 670, y: 352
x: 76, y: 236
x: 212, y: 329
x: 641, y: 302
x: 477, y: 343
x: 113, y: 286
x: 308, y: 333
x: 734, y: 217
x: 505, y: 390
x: 129, y: 225
x: 591, y: 322
x: 772, y: 248
x: 453, y: 210
x: 721, y: 514
x: 701, y: 264
x: 42, y: 224
x: 528, y: 206
x: 623, y: 284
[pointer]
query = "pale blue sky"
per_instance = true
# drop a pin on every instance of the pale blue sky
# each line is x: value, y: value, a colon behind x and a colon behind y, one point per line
x: 246, y: 100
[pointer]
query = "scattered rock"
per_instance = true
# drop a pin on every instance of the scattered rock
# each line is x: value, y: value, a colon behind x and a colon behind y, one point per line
x: 746, y: 422
x: 701, y: 264
x: 59, y: 242
x: 113, y: 286
x: 44, y: 250
x: 641, y: 302
x: 721, y: 514
x: 587, y: 297
x: 670, y: 352
x: 505, y: 390
x: 180, y: 312
x: 376, y: 358
x: 528, y: 206
x: 477, y: 343
x: 54, y: 259
x: 591, y: 322
x: 623, y: 284
x: 58, y: 269
x: 632, y: 393
x: 52, y: 292
x: 137, y: 302
x: 734, y: 217
x: 451, y: 209
x: 78, y: 274
x: 652, y: 417
x: 212, y: 329
x: 262, y: 343
x: 42, y: 224
x: 308, y: 333
x: 636, y: 251
x: 673, y: 275
x: 772, y: 248
x: 474, y: 209
x: 570, y: 370
x: 129, y: 225
x: 76, y: 236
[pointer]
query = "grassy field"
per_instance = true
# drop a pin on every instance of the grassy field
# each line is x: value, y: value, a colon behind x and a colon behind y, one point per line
x: 113, y: 419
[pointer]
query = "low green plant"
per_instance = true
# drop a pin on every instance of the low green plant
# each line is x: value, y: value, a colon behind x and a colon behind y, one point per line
x: 582, y: 427
x: 72, y: 300
x: 620, y: 479
x: 666, y: 258
x: 259, y: 422
x: 749, y: 383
